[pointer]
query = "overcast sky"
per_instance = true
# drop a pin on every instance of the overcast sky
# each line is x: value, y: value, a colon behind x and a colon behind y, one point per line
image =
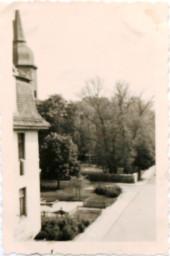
x: 74, y: 42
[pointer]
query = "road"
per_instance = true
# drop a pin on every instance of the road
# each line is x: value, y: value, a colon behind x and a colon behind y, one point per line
x: 131, y: 218
x: 138, y: 221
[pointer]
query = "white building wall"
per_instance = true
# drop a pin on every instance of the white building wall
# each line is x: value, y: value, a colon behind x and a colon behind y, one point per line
x: 28, y: 226
x: 13, y: 226
x: 7, y: 147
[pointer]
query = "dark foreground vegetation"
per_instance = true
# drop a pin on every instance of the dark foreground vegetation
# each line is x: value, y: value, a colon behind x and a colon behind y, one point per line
x: 66, y: 228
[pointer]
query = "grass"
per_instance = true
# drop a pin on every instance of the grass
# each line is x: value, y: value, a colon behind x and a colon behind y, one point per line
x: 87, y: 214
x: 69, y: 193
x: 51, y: 185
x: 98, y: 201
x: 90, y: 169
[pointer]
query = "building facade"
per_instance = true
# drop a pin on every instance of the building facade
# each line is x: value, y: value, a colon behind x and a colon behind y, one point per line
x: 26, y: 124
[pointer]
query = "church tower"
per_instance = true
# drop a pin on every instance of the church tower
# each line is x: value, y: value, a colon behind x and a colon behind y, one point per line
x: 23, y: 58
x: 26, y: 124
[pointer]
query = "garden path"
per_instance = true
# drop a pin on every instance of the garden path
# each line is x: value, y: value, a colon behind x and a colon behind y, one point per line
x: 138, y: 221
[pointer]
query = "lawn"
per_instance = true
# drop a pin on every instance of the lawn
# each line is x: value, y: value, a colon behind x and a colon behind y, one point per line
x: 66, y: 193
x: 86, y: 214
x: 69, y: 192
x: 87, y: 194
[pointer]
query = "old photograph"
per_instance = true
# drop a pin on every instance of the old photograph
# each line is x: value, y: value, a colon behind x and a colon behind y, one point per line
x: 84, y: 127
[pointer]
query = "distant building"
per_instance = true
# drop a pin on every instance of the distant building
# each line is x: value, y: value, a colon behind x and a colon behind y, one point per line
x: 26, y: 124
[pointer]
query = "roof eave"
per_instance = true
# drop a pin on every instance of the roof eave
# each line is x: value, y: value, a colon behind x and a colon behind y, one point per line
x: 31, y: 127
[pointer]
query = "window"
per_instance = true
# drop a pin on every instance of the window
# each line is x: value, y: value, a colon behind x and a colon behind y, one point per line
x: 35, y: 94
x: 21, y: 145
x: 22, y: 201
x: 21, y: 151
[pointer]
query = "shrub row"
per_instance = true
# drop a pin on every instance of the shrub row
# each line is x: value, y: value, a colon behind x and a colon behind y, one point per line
x: 109, y: 191
x: 124, y: 178
x: 89, y: 172
x: 59, y: 229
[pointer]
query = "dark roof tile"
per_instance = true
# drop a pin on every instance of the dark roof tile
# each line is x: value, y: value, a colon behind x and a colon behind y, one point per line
x: 27, y: 116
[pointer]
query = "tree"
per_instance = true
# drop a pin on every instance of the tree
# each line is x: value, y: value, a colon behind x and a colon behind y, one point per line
x: 144, y: 156
x: 113, y: 126
x: 142, y: 125
x: 77, y: 183
x: 135, y: 120
x: 119, y: 132
x: 58, y: 157
x: 97, y: 113
x: 65, y: 119
x: 123, y: 146
x: 54, y: 110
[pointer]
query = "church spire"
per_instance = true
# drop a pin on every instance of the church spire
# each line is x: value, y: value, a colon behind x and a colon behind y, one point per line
x: 23, y: 58
x: 26, y: 116
x: 22, y: 54
x: 18, y: 30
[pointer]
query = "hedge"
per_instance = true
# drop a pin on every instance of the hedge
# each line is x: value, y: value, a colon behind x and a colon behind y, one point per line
x: 109, y: 191
x: 59, y: 229
x: 89, y: 172
x: 122, y: 178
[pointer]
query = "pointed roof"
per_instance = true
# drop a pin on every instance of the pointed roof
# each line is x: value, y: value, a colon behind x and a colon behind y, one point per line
x: 18, y: 30
x: 26, y: 116
x: 22, y: 54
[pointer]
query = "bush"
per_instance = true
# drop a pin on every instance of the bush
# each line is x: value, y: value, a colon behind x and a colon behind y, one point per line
x: 61, y: 229
x: 67, y: 233
x: 86, y: 223
x: 124, y: 178
x: 109, y: 191
x: 81, y: 227
x: 41, y: 235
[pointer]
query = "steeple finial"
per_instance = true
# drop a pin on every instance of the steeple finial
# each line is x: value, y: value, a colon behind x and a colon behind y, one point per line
x: 18, y: 30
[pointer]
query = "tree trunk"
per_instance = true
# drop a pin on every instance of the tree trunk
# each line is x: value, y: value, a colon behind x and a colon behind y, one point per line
x: 139, y: 175
x: 58, y: 182
x: 79, y: 194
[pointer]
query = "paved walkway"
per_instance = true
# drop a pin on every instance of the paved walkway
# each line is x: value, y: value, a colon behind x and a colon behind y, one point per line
x: 131, y: 218
x: 138, y: 220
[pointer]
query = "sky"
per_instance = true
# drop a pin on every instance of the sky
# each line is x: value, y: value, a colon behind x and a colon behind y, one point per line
x: 75, y: 42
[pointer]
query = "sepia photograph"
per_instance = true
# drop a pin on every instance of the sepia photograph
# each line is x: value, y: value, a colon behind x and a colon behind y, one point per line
x: 84, y: 127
